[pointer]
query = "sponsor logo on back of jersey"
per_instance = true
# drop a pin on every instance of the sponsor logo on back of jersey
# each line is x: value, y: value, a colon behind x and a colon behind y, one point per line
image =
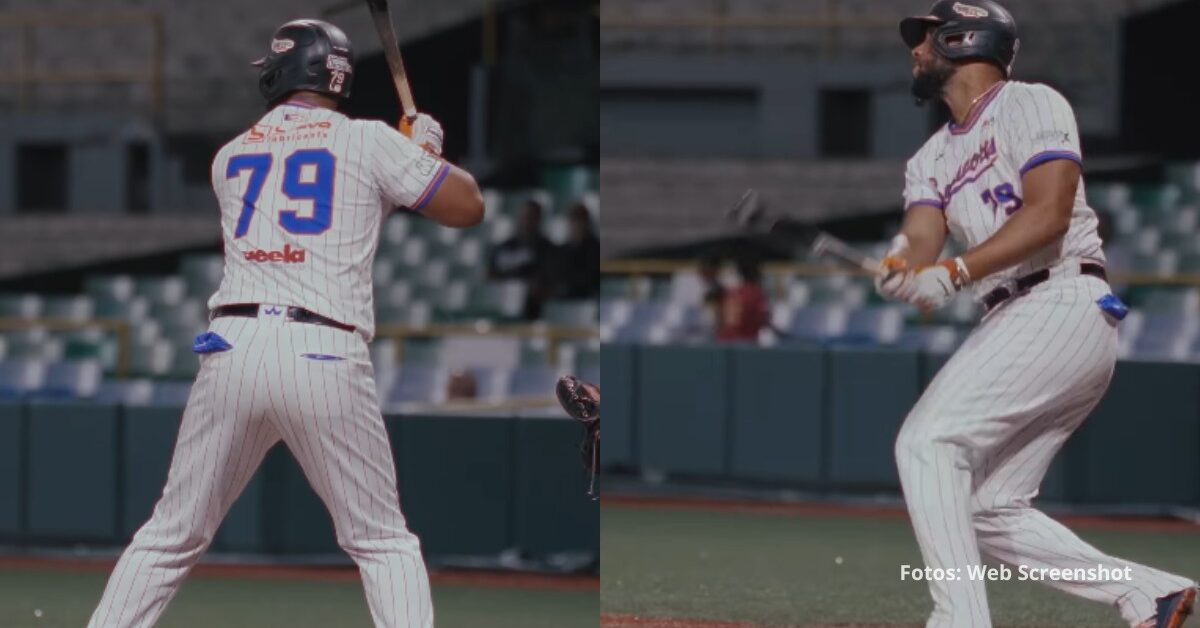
x: 260, y: 133
x: 287, y: 256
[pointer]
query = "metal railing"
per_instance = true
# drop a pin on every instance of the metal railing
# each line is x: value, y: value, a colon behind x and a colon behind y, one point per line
x: 119, y: 327
x: 650, y: 267
x: 122, y: 330
x: 552, y: 334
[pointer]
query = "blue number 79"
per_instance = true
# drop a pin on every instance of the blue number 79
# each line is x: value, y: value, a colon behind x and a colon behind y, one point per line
x: 319, y: 190
x: 1003, y: 194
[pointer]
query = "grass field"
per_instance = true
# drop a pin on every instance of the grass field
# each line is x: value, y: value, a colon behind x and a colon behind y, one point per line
x: 809, y: 569
x: 66, y: 597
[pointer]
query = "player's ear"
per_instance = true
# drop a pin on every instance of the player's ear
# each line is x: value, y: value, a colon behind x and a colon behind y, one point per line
x: 457, y: 201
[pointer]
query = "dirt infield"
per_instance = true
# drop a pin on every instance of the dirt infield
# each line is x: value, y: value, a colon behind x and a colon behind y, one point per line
x: 321, y: 574
x: 1120, y: 523
x: 611, y: 620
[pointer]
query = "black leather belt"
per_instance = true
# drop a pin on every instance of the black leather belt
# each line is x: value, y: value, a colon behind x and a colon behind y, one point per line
x: 294, y: 314
x: 1002, y: 294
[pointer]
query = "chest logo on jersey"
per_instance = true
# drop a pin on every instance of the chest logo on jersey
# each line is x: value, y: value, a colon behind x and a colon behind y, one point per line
x: 972, y: 168
x: 288, y: 255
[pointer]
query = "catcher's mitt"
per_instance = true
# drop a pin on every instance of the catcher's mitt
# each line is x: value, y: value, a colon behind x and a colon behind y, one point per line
x: 581, y: 400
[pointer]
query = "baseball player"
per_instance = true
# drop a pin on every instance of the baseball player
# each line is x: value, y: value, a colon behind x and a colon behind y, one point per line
x: 1003, y: 178
x: 302, y: 195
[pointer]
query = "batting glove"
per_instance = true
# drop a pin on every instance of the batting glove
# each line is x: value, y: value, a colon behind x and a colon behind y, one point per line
x: 934, y: 286
x: 893, y: 280
x: 423, y: 130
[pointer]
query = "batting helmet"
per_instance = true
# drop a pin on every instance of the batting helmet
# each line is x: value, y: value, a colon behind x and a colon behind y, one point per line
x: 308, y: 55
x: 975, y: 29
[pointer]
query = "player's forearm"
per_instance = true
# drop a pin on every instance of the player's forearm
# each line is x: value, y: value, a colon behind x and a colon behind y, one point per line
x: 1029, y: 231
x: 925, y: 228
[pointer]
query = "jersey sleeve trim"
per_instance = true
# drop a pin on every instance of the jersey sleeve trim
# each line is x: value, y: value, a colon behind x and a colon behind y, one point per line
x: 1049, y: 155
x: 925, y: 201
x: 434, y: 184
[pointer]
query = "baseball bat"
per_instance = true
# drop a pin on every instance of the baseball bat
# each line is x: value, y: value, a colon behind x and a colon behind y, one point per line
x: 391, y: 50
x: 750, y: 215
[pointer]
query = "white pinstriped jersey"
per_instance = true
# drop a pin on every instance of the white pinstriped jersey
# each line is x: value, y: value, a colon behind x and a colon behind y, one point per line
x: 973, y: 172
x: 303, y: 193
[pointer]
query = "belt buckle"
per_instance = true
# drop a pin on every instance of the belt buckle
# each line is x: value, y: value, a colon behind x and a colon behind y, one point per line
x: 270, y: 310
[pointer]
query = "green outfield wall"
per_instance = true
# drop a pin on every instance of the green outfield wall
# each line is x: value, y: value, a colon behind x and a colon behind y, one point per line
x: 825, y: 419
x: 473, y: 488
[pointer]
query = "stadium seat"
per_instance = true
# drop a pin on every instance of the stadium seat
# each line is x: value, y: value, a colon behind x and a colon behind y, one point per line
x: 184, y: 362
x: 500, y: 229
x: 395, y: 231
x: 1166, y: 336
x: 819, y: 322
x: 491, y: 384
x: 384, y: 354
x: 877, y: 324
x: 202, y: 274
x: 383, y: 271
x: 162, y: 290
x: 1180, y: 302
x: 506, y: 297
x: 535, y: 351
x: 92, y: 343
x: 557, y: 229
x: 76, y: 308
x: 1151, y: 197
x: 34, y: 343
x: 839, y: 290
x: 414, y: 383
x: 413, y: 252
x: 615, y: 288
x: 531, y: 381
x: 152, y: 358
x: 115, y: 287
x: 932, y: 339
x: 493, y: 202
x: 470, y: 351
x: 25, y: 306
x: 21, y: 377
x: 132, y: 309
x: 419, y: 350
x: 454, y: 297
x: 570, y: 313
x: 565, y: 184
x: 74, y: 379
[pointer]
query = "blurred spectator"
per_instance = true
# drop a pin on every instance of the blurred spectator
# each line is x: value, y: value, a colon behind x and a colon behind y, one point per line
x: 579, y: 258
x: 526, y: 256
x: 462, y: 385
x: 745, y: 309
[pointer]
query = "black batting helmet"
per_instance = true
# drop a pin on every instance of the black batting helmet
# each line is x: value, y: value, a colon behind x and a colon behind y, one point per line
x: 974, y: 29
x: 308, y: 55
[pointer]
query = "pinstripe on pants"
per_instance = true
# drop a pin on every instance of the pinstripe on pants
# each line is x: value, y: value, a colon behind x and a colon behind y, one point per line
x: 243, y: 402
x: 973, y: 451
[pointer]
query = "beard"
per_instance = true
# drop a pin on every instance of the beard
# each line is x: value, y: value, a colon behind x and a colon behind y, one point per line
x: 928, y: 84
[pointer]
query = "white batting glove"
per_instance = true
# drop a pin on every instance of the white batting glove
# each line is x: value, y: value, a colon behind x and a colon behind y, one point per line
x: 893, y: 279
x: 425, y: 131
x: 935, y: 286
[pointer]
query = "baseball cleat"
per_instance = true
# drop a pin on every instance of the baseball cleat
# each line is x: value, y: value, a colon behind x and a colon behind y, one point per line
x: 1173, y: 609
